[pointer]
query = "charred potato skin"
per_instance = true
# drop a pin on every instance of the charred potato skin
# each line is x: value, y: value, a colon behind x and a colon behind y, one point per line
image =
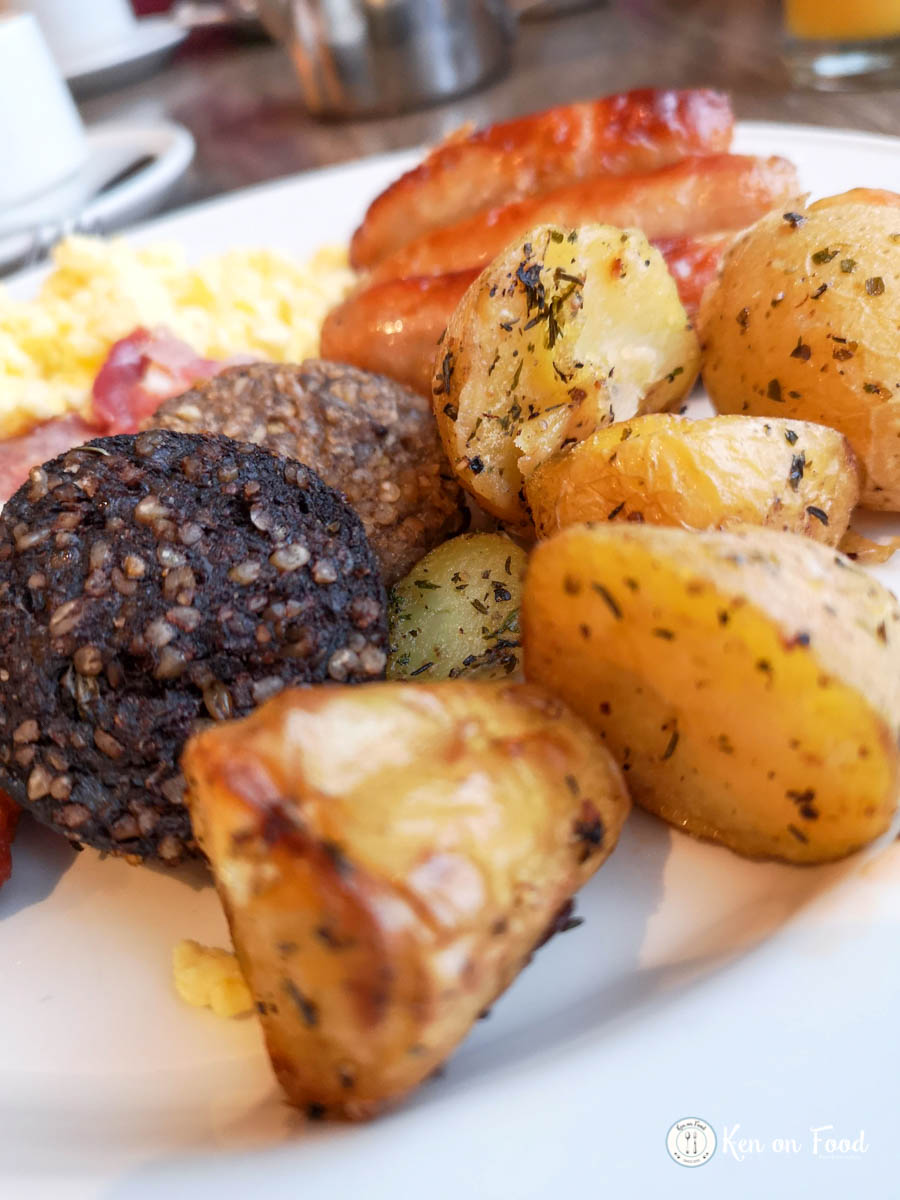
x: 803, y: 324
x: 564, y: 332
x: 374, y: 915
x: 709, y: 474
x: 748, y: 683
x: 457, y: 612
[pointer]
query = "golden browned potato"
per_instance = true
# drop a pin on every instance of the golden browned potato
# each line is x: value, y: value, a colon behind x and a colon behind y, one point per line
x: 714, y: 474
x: 804, y: 324
x: 747, y: 683
x: 457, y: 611
x: 563, y: 333
x: 389, y: 857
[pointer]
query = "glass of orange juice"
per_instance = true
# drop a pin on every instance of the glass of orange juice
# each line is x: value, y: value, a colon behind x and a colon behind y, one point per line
x: 839, y: 44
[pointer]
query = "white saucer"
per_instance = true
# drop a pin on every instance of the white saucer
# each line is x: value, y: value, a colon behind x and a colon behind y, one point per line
x: 110, y: 66
x: 87, y: 202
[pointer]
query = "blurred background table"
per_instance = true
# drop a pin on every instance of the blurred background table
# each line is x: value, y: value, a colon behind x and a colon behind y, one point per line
x: 242, y: 103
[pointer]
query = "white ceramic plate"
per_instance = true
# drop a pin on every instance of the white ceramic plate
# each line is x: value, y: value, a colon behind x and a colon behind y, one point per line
x: 701, y: 985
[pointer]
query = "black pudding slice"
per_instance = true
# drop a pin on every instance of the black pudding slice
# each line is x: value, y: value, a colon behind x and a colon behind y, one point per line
x: 151, y: 584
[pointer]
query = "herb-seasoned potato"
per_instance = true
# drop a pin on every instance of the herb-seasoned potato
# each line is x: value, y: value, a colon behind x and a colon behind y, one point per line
x: 457, y: 611
x: 714, y: 474
x: 804, y: 323
x: 561, y: 335
x: 389, y: 857
x: 748, y: 683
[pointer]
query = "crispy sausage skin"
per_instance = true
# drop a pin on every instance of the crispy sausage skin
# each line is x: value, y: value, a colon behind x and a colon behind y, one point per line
x: 694, y: 196
x: 628, y: 132
x: 392, y: 328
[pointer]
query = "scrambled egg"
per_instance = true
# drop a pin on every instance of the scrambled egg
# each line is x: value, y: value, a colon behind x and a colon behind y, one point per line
x: 255, y: 302
x: 210, y: 978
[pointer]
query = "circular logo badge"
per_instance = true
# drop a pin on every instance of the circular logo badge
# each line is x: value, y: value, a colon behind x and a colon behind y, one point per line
x: 691, y: 1142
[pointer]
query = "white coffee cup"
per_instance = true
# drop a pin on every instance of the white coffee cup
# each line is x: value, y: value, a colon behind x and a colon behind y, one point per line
x: 42, y: 138
x: 77, y: 29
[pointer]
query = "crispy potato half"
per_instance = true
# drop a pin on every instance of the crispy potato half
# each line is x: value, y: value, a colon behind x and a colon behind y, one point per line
x: 457, y: 612
x: 748, y: 683
x: 804, y: 321
x: 566, y: 331
x: 713, y: 474
x: 389, y: 857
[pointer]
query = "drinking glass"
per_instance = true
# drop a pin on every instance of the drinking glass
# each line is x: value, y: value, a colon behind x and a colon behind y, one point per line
x: 843, y: 44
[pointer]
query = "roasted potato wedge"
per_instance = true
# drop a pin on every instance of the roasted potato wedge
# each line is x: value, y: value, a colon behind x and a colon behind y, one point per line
x: 457, y: 611
x: 714, y: 474
x: 562, y: 334
x: 748, y: 683
x: 389, y: 857
x: 804, y: 324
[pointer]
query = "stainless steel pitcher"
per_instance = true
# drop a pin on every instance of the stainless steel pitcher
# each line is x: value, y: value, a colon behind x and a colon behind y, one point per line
x: 360, y: 57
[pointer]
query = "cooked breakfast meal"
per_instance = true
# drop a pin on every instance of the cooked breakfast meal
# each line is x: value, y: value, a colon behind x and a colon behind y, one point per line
x: 385, y: 591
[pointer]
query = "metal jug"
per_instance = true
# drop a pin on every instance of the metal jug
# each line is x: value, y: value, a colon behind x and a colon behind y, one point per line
x: 361, y: 57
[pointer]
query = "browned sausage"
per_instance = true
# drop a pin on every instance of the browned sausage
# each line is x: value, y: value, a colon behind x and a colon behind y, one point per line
x: 392, y: 328
x: 694, y: 196
x: 9, y: 815
x: 632, y: 131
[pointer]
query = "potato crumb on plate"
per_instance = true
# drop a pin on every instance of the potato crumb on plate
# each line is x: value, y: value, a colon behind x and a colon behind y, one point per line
x: 208, y: 977
x: 246, y: 301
